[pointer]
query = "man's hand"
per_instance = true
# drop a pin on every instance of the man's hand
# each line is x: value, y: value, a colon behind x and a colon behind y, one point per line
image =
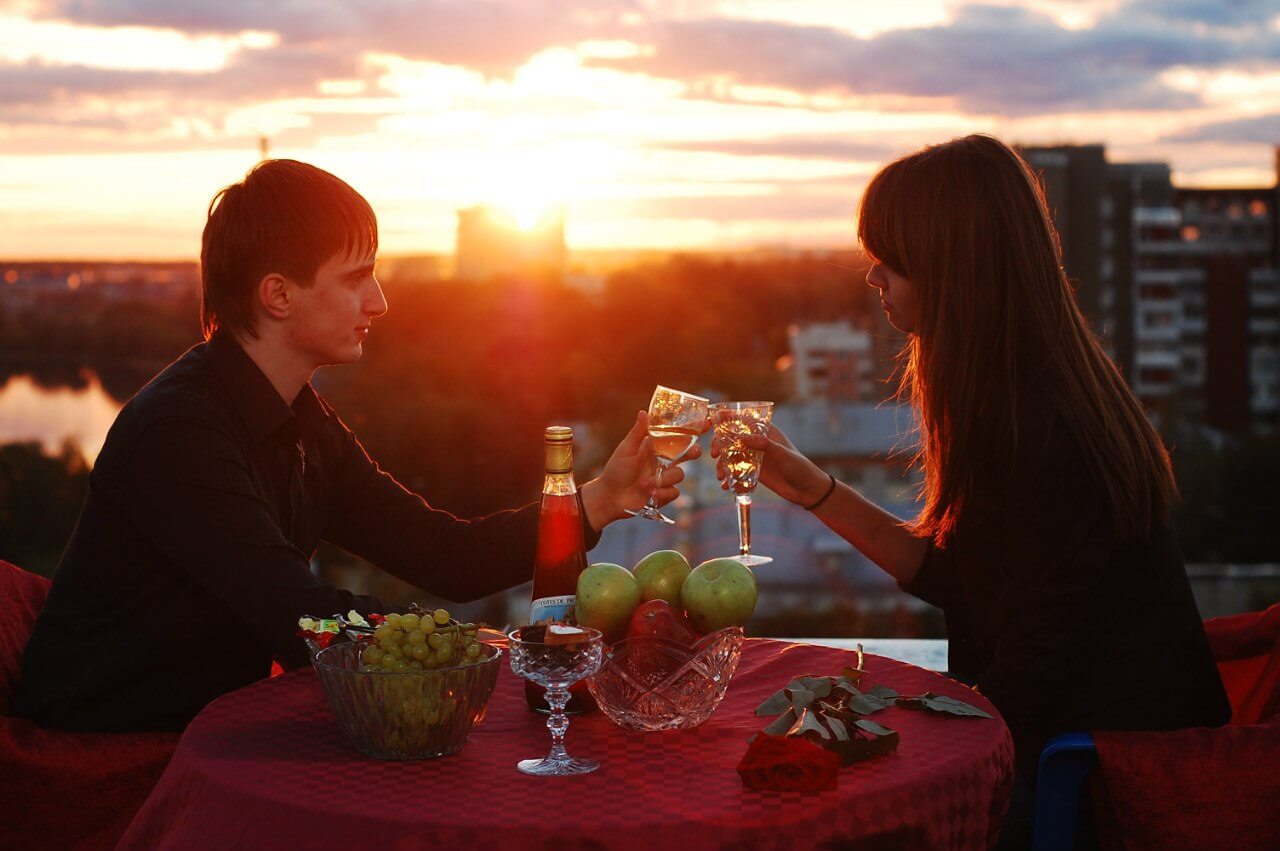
x: 629, y: 477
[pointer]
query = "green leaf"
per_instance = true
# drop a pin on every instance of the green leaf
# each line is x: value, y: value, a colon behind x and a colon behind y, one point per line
x: 865, y: 704
x: 820, y: 686
x: 780, y: 725
x: 808, y: 722
x: 873, y: 728
x: 943, y: 704
x: 779, y: 702
x: 883, y: 692
x: 865, y: 747
x: 800, y: 697
x: 838, y: 728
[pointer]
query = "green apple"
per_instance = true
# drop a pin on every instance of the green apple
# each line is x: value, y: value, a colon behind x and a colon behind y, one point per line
x: 607, y: 595
x: 719, y: 593
x: 660, y: 576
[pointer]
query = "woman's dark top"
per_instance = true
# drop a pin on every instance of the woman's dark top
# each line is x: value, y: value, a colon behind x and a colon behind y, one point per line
x: 1064, y: 625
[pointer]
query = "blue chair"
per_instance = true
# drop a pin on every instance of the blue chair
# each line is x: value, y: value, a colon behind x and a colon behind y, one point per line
x: 1064, y: 764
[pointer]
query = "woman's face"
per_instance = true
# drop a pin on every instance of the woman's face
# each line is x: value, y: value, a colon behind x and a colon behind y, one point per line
x: 897, y: 296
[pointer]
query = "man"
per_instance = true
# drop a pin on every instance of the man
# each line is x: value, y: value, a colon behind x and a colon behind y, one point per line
x: 189, y: 566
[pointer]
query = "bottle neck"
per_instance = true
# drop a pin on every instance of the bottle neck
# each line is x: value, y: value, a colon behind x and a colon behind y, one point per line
x: 559, y: 484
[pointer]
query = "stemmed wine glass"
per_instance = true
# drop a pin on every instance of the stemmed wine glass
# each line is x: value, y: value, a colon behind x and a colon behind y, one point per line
x: 676, y: 419
x: 556, y: 660
x: 731, y: 421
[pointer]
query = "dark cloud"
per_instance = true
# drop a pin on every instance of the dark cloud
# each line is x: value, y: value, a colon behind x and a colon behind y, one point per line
x: 801, y: 147
x: 990, y: 59
x: 1259, y: 129
x: 1221, y: 13
x: 494, y: 36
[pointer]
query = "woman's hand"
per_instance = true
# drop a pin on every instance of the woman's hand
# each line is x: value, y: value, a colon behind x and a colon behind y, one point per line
x: 784, y: 470
x: 628, y: 478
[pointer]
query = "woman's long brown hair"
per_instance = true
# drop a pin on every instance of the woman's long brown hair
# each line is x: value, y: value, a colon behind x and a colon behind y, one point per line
x: 997, y: 322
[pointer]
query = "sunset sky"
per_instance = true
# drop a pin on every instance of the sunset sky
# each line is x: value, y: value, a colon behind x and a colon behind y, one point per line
x: 657, y: 123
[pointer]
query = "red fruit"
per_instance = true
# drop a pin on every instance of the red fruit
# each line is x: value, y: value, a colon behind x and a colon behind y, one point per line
x: 656, y: 619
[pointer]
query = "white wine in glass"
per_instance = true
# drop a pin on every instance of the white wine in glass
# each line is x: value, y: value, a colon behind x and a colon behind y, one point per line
x: 676, y: 419
x: 732, y: 421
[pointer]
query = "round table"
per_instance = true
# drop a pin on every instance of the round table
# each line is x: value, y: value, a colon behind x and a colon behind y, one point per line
x: 267, y: 766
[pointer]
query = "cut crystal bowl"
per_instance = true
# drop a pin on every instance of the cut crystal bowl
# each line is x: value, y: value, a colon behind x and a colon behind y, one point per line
x: 409, y: 715
x: 658, y: 684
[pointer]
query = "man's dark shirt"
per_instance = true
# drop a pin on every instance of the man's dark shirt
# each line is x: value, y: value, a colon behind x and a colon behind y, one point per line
x: 1062, y: 623
x: 190, y: 564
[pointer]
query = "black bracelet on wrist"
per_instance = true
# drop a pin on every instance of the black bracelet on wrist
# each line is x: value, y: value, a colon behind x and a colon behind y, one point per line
x: 825, y: 496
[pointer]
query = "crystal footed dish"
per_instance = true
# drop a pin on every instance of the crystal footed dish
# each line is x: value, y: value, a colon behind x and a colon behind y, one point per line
x: 410, y: 715
x: 657, y: 684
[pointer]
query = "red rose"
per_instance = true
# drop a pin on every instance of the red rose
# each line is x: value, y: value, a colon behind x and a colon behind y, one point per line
x: 787, y: 763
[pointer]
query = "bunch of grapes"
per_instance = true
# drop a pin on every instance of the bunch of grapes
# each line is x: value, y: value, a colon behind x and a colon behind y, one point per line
x: 421, y: 641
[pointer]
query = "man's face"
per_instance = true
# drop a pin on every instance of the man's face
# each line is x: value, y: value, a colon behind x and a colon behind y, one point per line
x: 330, y: 319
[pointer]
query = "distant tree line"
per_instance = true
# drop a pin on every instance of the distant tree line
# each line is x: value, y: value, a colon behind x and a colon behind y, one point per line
x: 459, y: 380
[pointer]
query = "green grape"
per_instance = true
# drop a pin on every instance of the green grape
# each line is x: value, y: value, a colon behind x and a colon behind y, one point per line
x: 415, y: 665
x: 383, y: 632
x: 401, y: 666
x: 427, y: 625
x: 473, y: 651
x: 420, y: 651
x: 443, y: 658
x: 372, y: 654
x: 436, y: 641
x: 409, y: 621
x: 393, y: 620
x: 441, y: 616
x: 416, y: 637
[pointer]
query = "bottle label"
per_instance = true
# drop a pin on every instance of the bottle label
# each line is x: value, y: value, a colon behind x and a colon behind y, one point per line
x: 553, y: 609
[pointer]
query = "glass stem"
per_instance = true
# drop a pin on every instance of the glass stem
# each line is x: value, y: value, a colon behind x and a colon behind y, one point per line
x: 744, y: 524
x: 657, y: 483
x: 558, y: 722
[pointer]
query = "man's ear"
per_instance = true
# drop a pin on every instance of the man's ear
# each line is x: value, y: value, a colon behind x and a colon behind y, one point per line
x: 274, y: 295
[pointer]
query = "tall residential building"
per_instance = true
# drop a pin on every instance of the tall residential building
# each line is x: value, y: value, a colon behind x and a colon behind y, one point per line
x: 491, y: 243
x: 832, y: 361
x: 1186, y: 292
x: 1075, y: 183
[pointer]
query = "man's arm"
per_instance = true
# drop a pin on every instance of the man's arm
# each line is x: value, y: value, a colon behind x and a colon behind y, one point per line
x: 190, y: 491
x: 375, y: 517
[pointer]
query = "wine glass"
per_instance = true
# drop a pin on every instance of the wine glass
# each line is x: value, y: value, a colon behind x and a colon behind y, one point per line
x: 572, y: 654
x: 676, y: 419
x: 731, y: 421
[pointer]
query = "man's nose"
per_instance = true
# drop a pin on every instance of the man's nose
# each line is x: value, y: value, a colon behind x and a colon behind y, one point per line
x: 377, y: 304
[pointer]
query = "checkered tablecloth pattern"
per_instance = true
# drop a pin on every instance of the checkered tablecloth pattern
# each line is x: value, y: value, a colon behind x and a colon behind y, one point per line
x: 267, y: 766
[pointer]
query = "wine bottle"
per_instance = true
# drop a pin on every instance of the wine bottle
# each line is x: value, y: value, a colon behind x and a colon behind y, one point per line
x: 560, y: 557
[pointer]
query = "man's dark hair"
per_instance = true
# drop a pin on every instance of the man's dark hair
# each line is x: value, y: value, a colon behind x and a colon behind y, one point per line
x: 286, y: 217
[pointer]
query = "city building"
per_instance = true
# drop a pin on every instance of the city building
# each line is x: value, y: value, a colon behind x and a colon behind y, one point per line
x: 833, y: 361
x: 1180, y: 283
x: 491, y: 244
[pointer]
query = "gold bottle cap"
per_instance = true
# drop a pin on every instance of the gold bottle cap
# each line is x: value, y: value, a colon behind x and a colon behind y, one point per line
x: 559, y: 449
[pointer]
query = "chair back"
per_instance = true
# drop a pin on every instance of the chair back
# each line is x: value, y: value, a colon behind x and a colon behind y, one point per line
x: 1247, y: 650
x: 22, y: 596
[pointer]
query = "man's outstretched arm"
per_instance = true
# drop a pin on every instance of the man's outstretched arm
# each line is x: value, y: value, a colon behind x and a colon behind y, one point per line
x: 376, y: 518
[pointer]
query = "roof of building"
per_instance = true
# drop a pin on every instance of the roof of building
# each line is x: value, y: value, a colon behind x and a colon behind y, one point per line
x: 826, y: 428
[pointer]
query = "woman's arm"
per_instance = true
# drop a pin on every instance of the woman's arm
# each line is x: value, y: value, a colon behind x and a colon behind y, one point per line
x: 876, y: 533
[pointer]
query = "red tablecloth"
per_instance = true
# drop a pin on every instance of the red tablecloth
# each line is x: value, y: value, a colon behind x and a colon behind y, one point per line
x: 267, y: 766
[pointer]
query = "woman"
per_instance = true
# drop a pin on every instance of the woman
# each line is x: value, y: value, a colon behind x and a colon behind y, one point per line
x: 1044, y: 535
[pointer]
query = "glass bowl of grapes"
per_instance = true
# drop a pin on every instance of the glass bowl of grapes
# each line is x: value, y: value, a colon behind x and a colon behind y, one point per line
x: 413, y: 689
x: 652, y: 683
